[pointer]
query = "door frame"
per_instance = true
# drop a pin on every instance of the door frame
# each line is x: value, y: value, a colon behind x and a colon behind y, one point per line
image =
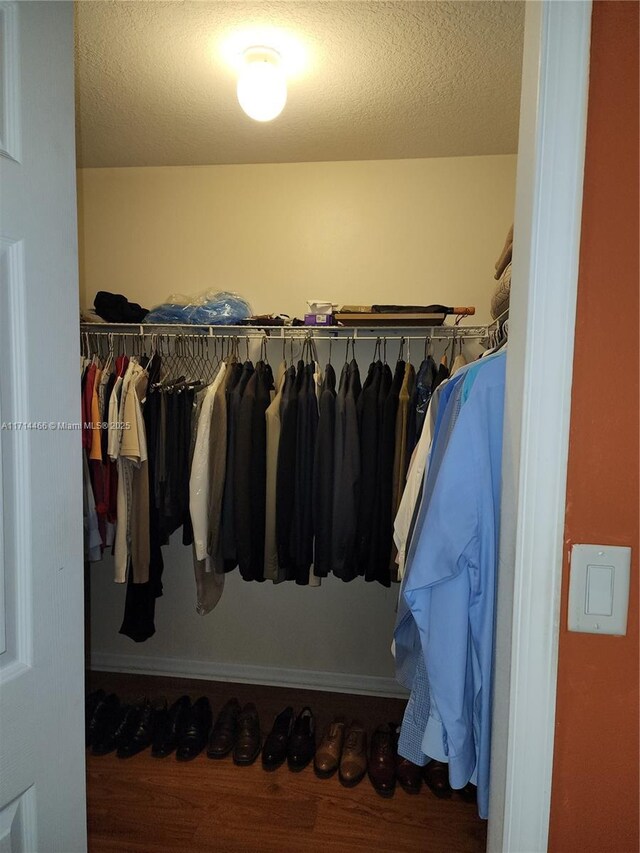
x: 537, y: 419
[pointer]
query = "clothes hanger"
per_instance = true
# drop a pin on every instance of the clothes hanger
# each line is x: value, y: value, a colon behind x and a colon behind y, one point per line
x: 264, y: 355
x: 444, y: 360
x: 427, y: 347
x: 401, y: 349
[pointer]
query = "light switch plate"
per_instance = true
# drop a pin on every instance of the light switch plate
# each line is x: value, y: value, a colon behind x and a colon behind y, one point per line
x: 599, y: 589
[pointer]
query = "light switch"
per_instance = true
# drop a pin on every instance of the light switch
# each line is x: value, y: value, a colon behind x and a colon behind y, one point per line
x: 599, y: 589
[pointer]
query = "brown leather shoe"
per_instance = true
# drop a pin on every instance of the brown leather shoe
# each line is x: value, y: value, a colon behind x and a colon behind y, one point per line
x: 383, y: 759
x: 409, y: 776
x: 247, y: 746
x: 225, y: 731
x: 353, y: 764
x: 436, y: 775
x: 327, y: 757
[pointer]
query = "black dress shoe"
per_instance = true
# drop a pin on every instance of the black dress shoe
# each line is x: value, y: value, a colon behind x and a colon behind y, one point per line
x: 90, y: 704
x: 274, y: 752
x: 469, y: 793
x: 225, y: 731
x: 140, y: 727
x: 109, y: 717
x: 302, y: 743
x: 436, y: 775
x: 170, y: 723
x: 193, y: 739
x: 249, y: 741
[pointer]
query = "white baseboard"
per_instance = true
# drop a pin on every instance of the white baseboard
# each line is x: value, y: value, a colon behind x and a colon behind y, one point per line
x: 303, y: 679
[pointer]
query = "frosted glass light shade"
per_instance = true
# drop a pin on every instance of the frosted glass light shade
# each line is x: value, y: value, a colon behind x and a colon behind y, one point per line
x: 262, y: 86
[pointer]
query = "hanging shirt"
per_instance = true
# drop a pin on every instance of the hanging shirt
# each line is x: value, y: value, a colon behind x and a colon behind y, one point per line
x: 415, y: 479
x: 451, y: 584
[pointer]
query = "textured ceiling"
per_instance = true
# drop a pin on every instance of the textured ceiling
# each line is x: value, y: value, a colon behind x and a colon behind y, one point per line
x: 368, y: 80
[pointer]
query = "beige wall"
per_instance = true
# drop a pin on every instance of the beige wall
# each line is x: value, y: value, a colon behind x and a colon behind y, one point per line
x: 385, y: 231
x: 361, y: 232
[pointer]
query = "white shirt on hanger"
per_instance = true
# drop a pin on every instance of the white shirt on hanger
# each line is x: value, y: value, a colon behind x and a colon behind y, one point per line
x: 415, y: 477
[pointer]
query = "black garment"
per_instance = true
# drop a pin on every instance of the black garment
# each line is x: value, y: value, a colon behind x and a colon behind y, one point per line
x: 347, y: 472
x: 301, y: 541
x: 369, y: 427
x: 175, y: 442
x: 264, y: 387
x: 323, y: 473
x: 369, y: 569
x: 229, y: 543
x: 115, y: 308
x: 285, y: 475
x: 383, y: 523
x: 242, y: 474
x: 419, y: 402
x: 251, y: 473
x: 104, y: 434
x: 441, y: 375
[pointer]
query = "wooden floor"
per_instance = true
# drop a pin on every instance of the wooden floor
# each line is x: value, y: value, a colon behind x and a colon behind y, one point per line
x: 162, y: 806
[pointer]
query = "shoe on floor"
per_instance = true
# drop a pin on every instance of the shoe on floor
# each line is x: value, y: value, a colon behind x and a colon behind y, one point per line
x: 225, y: 731
x: 302, y: 743
x: 383, y: 758
x: 327, y: 757
x: 139, y: 733
x: 170, y: 724
x: 353, y: 763
x: 104, y: 724
x: 274, y: 751
x: 193, y: 738
x: 249, y: 741
x: 409, y: 775
x: 91, y: 702
x: 436, y: 775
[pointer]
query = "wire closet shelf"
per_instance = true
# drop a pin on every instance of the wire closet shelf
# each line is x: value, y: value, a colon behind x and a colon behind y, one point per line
x: 330, y: 333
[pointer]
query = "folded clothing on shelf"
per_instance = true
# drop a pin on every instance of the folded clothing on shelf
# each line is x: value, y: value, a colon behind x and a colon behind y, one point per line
x: 116, y: 308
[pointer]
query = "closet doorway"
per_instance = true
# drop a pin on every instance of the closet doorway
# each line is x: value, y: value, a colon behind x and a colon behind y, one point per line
x: 562, y: 132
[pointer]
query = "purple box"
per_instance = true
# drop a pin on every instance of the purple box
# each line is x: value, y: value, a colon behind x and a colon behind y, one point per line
x: 318, y: 319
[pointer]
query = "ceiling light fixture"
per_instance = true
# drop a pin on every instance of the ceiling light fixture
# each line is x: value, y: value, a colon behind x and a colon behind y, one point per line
x: 262, y: 85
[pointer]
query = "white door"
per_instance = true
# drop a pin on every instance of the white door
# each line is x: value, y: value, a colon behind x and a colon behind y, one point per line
x: 42, y: 786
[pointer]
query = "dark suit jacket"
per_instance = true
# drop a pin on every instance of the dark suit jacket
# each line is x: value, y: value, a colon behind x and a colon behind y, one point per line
x: 346, y: 492
x: 286, y: 468
x: 229, y: 544
x: 323, y: 474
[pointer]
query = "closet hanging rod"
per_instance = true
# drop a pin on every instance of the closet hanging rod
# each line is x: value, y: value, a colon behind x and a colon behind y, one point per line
x: 332, y: 333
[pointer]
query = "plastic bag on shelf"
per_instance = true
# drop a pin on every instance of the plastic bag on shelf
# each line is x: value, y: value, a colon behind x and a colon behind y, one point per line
x: 220, y: 309
x: 209, y: 308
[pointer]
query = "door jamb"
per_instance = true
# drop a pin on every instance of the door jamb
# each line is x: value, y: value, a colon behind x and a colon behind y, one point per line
x: 537, y: 419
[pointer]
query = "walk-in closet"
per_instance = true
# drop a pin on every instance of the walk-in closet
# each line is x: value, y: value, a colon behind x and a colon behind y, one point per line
x: 287, y: 322
x: 301, y: 476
